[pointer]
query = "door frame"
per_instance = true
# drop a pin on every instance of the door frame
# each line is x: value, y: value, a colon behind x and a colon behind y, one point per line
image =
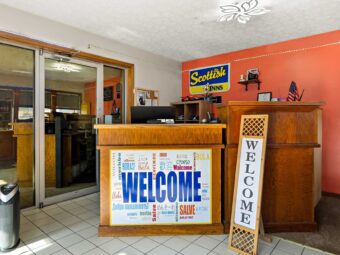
x: 43, y: 200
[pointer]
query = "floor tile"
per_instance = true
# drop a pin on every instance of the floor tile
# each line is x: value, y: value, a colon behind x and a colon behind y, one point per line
x: 53, y: 211
x: 84, y: 201
x: 130, y: 239
x: 218, y: 237
x: 69, y: 240
x: 279, y: 252
x: 311, y: 251
x: 163, y: 250
x: 96, y: 240
x: 145, y: 244
x: 96, y: 251
x: 207, y: 242
x: 129, y: 251
x: 273, y: 243
x: 189, y: 238
x: 88, y: 232
x: 289, y: 247
x: 113, y: 246
x: 195, y: 249
x: 50, y: 248
x: 27, y: 212
x: 79, y: 226
x: 62, y: 216
x: 63, y: 252
x: 27, y: 227
x: 69, y: 220
x: 222, y: 249
x: 160, y: 239
x: 176, y: 243
x: 77, y: 210
x: 43, y: 221
x: 31, y: 234
x: 60, y: 233
x: 86, y: 215
x: 37, y: 216
x: 264, y: 249
x: 51, y: 227
x: 81, y: 248
x: 35, y: 243
x: 93, y: 221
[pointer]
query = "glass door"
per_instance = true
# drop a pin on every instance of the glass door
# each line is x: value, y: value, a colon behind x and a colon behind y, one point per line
x: 70, y: 95
x: 17, y: 115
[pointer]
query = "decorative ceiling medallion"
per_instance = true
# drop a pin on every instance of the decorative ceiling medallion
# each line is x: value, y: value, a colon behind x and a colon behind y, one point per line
x: 241, y: 12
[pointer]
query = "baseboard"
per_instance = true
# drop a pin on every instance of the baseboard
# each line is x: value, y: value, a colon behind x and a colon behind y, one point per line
x: 329, y: 194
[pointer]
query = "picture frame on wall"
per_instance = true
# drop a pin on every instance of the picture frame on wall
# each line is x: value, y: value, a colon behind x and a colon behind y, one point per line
x: 264, y: 97
x: 108, y: 93
x: 118, y: 87
x: 252, y: 74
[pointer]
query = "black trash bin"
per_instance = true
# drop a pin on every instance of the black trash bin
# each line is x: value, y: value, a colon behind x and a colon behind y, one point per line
x: 9, y: 216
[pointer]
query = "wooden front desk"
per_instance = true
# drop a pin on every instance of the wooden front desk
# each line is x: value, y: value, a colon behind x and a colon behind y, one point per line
x: 165, y: 138
x: 291, y: 185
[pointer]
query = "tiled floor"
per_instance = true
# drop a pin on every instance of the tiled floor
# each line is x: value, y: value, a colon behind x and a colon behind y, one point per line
x: 71, y: 228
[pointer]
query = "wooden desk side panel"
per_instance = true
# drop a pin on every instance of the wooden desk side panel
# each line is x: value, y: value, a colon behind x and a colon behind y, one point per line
x: 287, y: 124
x: 287, y: 191
x: 154, y: 136
x: 105, y: 195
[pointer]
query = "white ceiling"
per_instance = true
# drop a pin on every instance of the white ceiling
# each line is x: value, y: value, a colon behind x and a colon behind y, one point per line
x: 188, y: 29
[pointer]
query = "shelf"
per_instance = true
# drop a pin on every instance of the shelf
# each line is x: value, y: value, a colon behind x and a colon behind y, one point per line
x: 255, y: 81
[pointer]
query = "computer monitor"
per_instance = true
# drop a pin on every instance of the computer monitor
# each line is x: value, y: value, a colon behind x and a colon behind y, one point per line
x: 145, y: 114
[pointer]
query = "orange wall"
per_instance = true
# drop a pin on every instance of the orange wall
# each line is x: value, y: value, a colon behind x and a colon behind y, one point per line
x: 314, y: 66
x: 90, y: 95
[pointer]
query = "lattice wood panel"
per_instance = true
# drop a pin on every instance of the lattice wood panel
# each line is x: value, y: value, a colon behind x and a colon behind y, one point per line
x: 244, y: 240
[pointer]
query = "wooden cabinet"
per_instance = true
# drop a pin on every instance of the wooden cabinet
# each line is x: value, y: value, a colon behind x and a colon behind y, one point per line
x: 291, y: 186
x: 7, y: 145
x: 167, y: 138
x: 192, y: 111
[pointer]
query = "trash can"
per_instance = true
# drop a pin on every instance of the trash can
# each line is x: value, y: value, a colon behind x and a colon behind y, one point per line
x: 9, y: 216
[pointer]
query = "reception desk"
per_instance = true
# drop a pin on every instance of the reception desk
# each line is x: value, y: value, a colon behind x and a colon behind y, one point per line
x: 292, y: 174
x: 160, y: 179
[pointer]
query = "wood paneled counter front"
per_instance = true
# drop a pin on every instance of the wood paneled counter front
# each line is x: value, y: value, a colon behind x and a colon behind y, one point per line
x: 160, y: 179
x: 291, y: 184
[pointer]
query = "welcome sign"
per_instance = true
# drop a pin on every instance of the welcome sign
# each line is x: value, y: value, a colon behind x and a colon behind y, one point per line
x: 244, y: 227
x: 248, y: 184
x: 160, y: 186
x: 218, y: 78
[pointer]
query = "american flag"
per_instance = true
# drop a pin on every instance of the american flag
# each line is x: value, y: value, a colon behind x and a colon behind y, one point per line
x: 293, y: 94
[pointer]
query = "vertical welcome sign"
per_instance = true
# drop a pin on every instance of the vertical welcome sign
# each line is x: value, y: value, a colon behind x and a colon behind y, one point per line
x: 246, y: 213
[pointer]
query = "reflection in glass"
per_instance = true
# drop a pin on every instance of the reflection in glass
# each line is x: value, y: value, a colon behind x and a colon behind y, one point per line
x: 70, y: 111
x: 16, y: 120
x: 114, y: 94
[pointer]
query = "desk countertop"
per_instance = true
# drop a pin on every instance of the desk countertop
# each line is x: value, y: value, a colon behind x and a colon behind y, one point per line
x: 153, y: 126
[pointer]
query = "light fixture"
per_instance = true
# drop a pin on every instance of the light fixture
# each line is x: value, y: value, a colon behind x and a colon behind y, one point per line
x: 68, y: 68
x: 241, y: 12
x: 21, y: 71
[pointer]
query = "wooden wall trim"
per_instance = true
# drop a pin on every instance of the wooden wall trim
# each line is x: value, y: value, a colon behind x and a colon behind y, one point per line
x: 81, y: 55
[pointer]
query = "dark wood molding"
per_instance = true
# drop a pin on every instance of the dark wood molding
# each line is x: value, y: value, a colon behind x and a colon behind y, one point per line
x: 330, y: 194
x: 159, y: 230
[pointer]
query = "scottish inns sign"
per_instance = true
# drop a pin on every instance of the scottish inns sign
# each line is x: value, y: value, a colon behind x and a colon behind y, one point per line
x: 248, y: 182
x: 160, y: 186
x: 218, y: 78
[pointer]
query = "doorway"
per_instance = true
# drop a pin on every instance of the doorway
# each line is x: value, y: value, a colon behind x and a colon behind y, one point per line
x: 48, y: 106
x: 71, y: 108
